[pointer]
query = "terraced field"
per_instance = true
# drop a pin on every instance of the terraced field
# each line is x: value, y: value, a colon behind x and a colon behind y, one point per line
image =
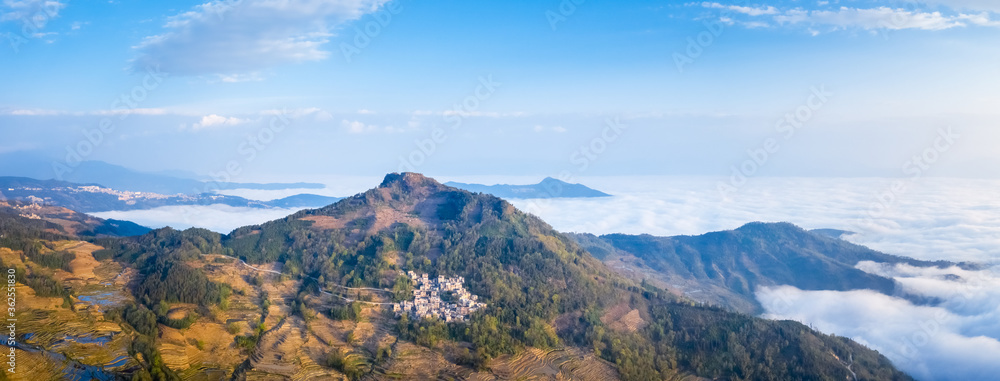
x: 554, y: 364
x: 77, y: 342
x: 290, y: 349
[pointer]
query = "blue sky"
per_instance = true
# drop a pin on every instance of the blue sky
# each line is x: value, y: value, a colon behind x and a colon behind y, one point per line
x: 898, y: 72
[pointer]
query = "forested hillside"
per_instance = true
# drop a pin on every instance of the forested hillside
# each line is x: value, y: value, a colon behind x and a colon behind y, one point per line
x: 541, y: 289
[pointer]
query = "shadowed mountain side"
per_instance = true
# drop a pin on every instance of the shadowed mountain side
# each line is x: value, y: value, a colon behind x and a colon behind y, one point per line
x: 59, y: 220
x: 727, y: 267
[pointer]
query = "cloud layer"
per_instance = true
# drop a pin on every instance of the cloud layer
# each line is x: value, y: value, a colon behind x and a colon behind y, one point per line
x: 29, y: 16
x: 217, y: 218
x: 236, y: 38
x: 872, y: 19
x: 934, y: 218
x: 956, y: 339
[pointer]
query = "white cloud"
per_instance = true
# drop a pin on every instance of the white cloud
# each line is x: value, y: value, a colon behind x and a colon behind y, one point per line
x: 879, y: 18
x: 237, y: 37
x: 768, y: 10
x: 359, y: 127
x: 467, y: 114
x: 871, y: 19
x: 31, y: 112
x: 558, y: 129
x: 240, y: 77
x: 31, y: 13
x: 964, y: 292
x: 132, y: 111
x: 219, y: 218
x: 982, y: 19
x: 214, y: 120
x: 966, y: 5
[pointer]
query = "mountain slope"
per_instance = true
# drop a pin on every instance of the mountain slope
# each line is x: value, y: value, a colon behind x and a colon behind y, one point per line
x: 727, y: 267
x: 62, y: 221
x: 547, y: 188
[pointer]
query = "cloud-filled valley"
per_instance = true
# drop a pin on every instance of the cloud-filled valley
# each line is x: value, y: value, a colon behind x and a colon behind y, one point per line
x: 219, y: 218
x: 955, y: 339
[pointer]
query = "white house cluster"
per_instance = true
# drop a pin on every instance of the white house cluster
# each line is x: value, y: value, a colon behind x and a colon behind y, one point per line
x: 427, y: 299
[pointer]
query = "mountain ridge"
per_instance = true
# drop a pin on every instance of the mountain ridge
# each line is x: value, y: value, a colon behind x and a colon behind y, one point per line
x: 547, y: 188
x: 119, y: 177
x: 728, y: 266
x: 97, y: 198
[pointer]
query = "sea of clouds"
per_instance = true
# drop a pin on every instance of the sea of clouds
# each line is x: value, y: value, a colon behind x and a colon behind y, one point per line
x: 931, y: 218
x: 926, y: 218
x: 955, y: 339
x: 218, y: 218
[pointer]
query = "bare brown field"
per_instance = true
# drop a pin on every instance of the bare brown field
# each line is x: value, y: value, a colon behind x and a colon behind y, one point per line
x: 623, y: 318
x: 82, y: 267
x: 326, y: 222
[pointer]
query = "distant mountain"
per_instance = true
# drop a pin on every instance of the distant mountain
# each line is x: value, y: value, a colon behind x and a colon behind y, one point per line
x: 121, y: 178
x: 548, y: 188
x: 727, y: 267
x: 833, y: 233
x: 96, y: 198
x: 303, y: 200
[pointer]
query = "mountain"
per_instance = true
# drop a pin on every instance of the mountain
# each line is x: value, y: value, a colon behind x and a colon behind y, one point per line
x: 726, y: 268
x: 302, y: 200
x: 58, y: 220
x: 309, y: 296
x: 834, y: 233
x: 96, y: 198
x: 548, y: 188
x: 118, y: 177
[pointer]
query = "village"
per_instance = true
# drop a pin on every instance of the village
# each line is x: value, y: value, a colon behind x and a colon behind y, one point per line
x: 427, y: 300
x: 127, y: 196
